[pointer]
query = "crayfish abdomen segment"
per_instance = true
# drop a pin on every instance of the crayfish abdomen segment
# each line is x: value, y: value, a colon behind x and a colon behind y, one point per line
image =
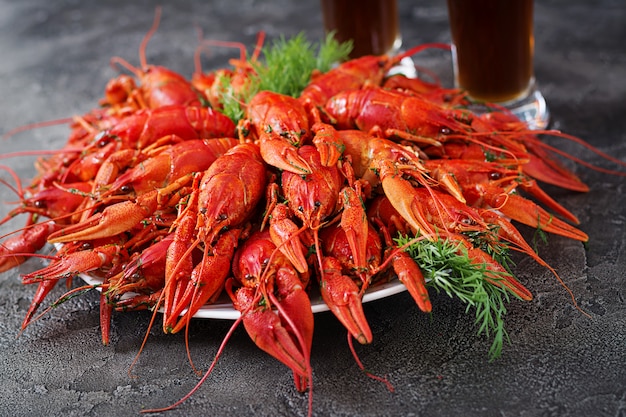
x: 231, y: 189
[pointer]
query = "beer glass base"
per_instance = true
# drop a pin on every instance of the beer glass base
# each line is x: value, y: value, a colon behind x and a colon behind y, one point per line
x: 531, y: 110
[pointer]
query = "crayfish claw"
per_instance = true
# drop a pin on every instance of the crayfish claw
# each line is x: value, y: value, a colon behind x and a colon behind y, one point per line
x: 343, y: 298
x: 328, y: 143
x: 279, y: 153
x: 113, y: 220
x: 284, y: 233
x: 531, y: 214
x: 205, y: 283
x: 268, y: 333
x: 411, y: 276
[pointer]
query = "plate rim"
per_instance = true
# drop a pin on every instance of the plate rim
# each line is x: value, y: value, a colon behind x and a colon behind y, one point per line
x: 226, y: 311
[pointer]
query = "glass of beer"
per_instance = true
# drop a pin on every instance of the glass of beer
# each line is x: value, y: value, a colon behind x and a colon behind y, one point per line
x: 371, y: 25
x: 493, y: 47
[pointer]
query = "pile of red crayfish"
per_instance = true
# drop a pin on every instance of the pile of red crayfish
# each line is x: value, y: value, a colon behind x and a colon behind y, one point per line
x: 172, y: 204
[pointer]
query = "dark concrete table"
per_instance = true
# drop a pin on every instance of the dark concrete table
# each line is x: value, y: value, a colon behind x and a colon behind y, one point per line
x: 54, y: 64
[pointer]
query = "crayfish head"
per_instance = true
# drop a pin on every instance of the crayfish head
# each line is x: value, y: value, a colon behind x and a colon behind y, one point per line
x: 251, y: 263
x: 312, y: 197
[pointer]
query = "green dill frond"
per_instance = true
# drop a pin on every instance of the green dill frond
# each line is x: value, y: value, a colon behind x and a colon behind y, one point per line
x: 493, y: 156
x: 287, y: 64
x: 540, y: 236
x: 489, y: 242
x: 447, y: 267
x: 332, y: 52
x: 231, y: 103
x: 285, y: 67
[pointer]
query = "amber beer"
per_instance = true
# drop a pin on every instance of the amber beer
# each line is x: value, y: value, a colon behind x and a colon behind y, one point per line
x: 372, y: 25
x: 493, y: 47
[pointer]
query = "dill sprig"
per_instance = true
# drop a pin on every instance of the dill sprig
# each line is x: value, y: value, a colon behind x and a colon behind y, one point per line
x: 287, y: 64
x: 332, y: 52
x: 447, y: 267
x: 230, y: 101
x: 285, y: 67
x: 488, y: 241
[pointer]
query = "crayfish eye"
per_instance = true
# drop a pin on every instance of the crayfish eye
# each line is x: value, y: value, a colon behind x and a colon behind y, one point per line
x: 223, y: 216
x: 40, y: 204
x: 445, y: 131
x: 300, y: 209
x: 86, y: 246
x: 495, y: 175
x: 467, y: 221
x: 125, y: 189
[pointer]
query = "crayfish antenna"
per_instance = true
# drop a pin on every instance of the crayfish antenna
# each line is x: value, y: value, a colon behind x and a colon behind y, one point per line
x: 509, y: 233
x: 547, y: 169
x: 188, y: 348
x: 142, y: 48
x: 37, y: 125
x: 384, y: 380
x: 145, y: 338
x: 204, y: 378
x: 149, y: 34
x: 419, y: 48
x: 17, y: 189
x: 558, y: 133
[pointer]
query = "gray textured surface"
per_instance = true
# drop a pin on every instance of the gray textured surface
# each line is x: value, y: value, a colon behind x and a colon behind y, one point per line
x: 55, y: 64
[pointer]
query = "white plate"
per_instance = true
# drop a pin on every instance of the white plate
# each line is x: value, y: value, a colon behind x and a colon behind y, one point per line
x: 224, y: 310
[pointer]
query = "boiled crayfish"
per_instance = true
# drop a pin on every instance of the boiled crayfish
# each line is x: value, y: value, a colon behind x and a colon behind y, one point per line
x: 171, y: 202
